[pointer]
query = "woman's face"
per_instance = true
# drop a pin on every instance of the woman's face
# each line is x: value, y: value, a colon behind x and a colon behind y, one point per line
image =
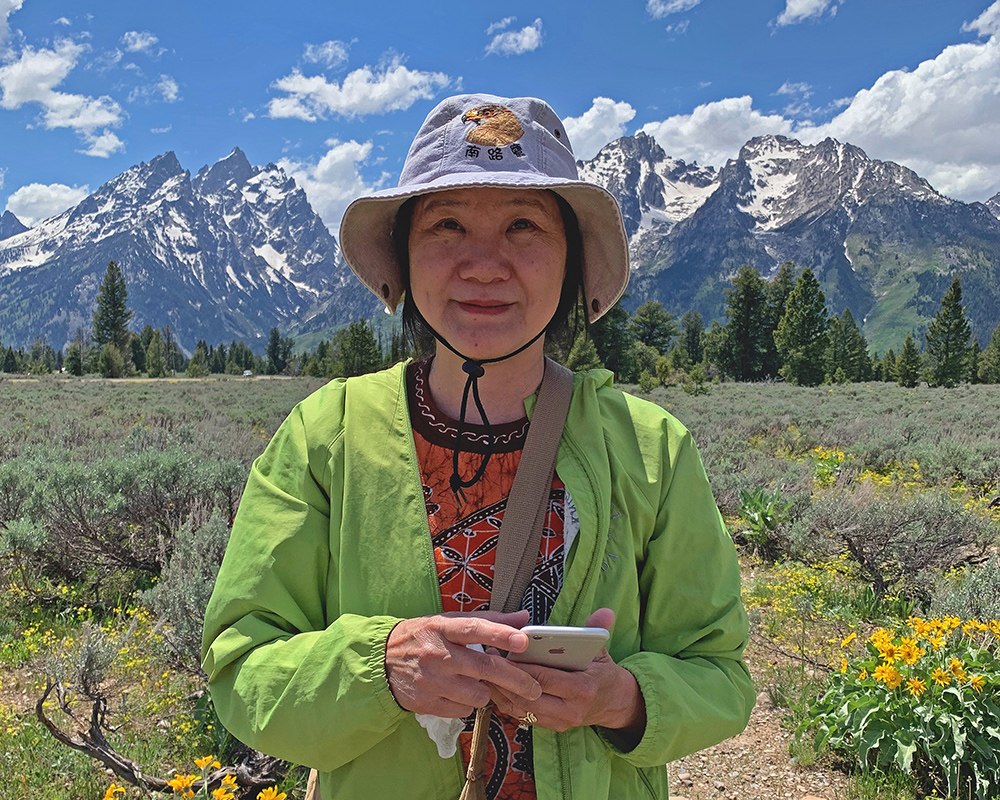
x: 487, y: 266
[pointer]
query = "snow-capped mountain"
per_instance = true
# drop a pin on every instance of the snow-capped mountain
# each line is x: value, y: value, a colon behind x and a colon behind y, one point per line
x: 881, y: 240
x: 993, y: 204
x: 10, y: 225
x: 228, y: 254
x: 654, y: 191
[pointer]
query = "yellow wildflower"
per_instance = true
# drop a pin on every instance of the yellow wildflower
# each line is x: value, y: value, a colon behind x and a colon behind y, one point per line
x: 222, y: 793
x: 957, y: 669
x: 862, y: 675
x: 977, y: 682
x: 843, y: 666
x: 181, y: 784
x: 112, y: 791
x: 916, y: 686
x: 941, y: 677
x: 848, y: 640
x: 270, y: 793
x: 229, y: 781
x: 889, y: 675
x: 201, y: 763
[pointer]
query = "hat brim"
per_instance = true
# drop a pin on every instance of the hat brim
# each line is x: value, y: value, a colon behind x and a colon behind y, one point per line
x: 366, y: 233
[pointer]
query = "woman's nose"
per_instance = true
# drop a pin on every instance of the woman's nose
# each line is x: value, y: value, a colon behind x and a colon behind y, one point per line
x: 482, y: 260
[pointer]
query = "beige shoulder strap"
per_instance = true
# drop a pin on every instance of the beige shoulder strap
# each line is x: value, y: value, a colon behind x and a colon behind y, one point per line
x: 521, y: 531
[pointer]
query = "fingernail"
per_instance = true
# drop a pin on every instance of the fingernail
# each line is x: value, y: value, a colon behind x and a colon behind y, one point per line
x: 536, y: 692
x: 518, y: 642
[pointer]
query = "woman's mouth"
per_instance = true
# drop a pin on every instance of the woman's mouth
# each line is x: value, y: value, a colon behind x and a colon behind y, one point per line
x: 488, y: 308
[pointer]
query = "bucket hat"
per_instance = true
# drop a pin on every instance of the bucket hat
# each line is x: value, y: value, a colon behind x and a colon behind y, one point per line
x: 483, y: 140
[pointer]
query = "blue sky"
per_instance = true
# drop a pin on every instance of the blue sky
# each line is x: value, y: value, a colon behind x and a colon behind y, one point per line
x: 334, y: 91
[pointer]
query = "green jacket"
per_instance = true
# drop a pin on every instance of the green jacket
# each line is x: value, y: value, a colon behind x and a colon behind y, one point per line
x: 331, y: 547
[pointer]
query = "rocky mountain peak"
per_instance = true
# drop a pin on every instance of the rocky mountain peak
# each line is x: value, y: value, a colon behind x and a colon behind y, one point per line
x: 10, y: 226
x: 993, y: 204
x: 232, y: 171
x: 653, y: 189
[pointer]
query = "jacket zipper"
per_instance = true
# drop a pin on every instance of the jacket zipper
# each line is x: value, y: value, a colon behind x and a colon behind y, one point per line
x: 602, y: 524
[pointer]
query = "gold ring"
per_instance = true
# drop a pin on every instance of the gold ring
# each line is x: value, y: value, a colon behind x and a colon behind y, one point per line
x: 527, y: 720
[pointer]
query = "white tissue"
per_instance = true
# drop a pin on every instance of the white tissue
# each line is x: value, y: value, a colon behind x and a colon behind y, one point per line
x: 444, y: 731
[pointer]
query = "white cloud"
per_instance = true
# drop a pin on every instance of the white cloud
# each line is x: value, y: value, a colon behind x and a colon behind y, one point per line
x: 715, y: 132
x: 941, y: 119
x: 33, y: 78
x: 603, y: 122
x: 139, y: 41
x: 62, y: 21
x: 797, y: 11
x: 803, y: 89
x: 36, y: 201
x: 390, y: 87
x: 168, y: 89
x: 335, y: 180
x: 102, y: 145
x: 680, y: 28
x: 165, y: 129
x: 7, y: 7
x: 662, y: 8
x: 499, y: 26
x: 3, y: 175
x: 514, y: 43
x: 333, y: 53
x: 987, y: 23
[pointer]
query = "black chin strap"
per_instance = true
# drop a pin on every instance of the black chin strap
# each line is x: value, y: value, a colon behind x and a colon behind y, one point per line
x: 473, y: 367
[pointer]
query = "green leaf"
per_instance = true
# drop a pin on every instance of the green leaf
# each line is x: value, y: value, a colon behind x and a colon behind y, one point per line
x: 905, y: 748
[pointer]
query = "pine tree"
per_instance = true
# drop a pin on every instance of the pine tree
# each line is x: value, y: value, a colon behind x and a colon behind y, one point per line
x: 112, y: 316
x: 743, y: 350
x: 654, y: 326
x: 972, y: 365
x: 777, y: 292
x: 989, y: 361
x: 847, y: 350
x: 110, y: 363
x: 693, y: 325
x: 198, y: 365
x: 156, y: 363
x: 583, y: 354
x: 889, y: 366
x: 908, y: 364
x: 613, y: 338
x: 359, y: 350
x: 802, y: 334
x: 947, y: 340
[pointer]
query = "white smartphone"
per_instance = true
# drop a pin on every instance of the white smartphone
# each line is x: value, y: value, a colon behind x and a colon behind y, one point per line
x: 561, y: 647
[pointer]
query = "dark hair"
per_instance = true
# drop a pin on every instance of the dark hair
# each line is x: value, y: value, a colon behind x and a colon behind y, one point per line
x: 573, y: 291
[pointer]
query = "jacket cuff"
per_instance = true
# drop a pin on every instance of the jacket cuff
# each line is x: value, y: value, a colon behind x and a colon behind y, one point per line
x: 641, y: 753
x: 376, y: 668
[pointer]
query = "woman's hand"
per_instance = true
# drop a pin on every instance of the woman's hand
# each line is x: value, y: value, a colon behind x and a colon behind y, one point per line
x: 604, y: 694
x: 431, y: 671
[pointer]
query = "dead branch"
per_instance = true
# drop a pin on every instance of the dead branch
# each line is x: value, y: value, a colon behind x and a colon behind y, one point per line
x: 90, y: 740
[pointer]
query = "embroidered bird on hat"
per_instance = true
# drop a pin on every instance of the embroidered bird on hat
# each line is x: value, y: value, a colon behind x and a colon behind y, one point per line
x: 494, y: 126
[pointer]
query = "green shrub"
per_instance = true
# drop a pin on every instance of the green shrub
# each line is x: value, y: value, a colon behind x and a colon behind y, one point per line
x: 763, y: 512
x: 180, y: 597
x: 972, y: 592
x: 921, y: 700
x: 897, y: 538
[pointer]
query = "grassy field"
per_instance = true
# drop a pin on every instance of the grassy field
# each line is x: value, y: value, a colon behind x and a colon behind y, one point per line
x: 100, y: 481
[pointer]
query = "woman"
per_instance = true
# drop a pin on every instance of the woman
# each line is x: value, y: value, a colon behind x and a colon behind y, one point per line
x: 361, y: 558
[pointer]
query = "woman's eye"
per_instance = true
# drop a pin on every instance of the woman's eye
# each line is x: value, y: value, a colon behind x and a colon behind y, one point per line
x: 450, y: 224
x: 522, y: 224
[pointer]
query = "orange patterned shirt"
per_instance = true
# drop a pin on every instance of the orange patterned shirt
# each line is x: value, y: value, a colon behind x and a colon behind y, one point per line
x: 464, y: 535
